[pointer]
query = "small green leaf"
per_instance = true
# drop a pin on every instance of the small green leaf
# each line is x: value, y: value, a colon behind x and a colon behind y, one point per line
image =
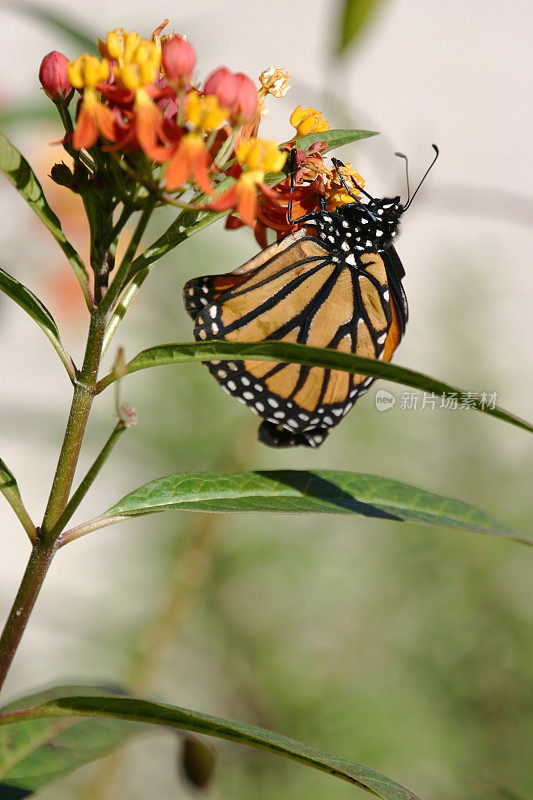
x: 333, y: 139
x: 9, y: 488
x: 167, y: 354
x: 35, y: 753
x: 8, y: 484
x: 59, y: 20
x: 137, y: 710
x: 354, y: 17
x: 188, y: 223
x: 21, y: 176
x: 309, y: 491
x: 38, y: 312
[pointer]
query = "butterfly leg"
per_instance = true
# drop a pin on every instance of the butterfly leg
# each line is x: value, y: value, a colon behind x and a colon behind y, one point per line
x: 305, y: 217
x: 338, y: 164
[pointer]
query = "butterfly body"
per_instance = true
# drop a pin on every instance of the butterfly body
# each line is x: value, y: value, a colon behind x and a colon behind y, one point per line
x: 335, y: 283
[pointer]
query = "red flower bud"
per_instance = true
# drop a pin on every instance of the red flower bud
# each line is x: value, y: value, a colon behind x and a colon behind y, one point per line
x: 246, y: 103
x: 235, y: 91
x: 179, y: 59
x: 224, y: 85
x: 53, y: 76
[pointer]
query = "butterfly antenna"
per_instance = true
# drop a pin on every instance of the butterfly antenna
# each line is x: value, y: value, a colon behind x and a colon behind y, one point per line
x: 402, y: 155
x: 436, y: 149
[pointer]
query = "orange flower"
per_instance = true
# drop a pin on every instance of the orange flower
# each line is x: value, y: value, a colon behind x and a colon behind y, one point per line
x: 149, y: 126
x: 93, y: 118
x: 242, y: 196
x: 336, y: 191
x: 189, y: 162
x: 86, y: 73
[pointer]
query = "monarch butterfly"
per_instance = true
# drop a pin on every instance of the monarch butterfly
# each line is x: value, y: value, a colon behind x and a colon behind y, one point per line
x: 338, y: 285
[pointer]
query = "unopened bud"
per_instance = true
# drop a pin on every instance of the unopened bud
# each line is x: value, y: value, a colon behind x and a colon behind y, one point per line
x: 247, y: 100
x: 178, y: 59
x: 119, y: 367
x: 235, y: 91
x: 128, y: 415
x: 61, y: 174
x: 223, y: 84
x: 53, y: 76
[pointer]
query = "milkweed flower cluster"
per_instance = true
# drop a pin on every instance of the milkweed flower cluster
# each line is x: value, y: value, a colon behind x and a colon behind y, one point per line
x: 145, y: 121
x: 311, y: 178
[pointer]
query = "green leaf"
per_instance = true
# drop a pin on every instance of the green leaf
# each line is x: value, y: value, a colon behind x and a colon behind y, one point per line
x: 138, y: 710
x: 166, y: 354
x: 309, y: 491
x: 59, y: 20
x: 8, y: 484
x: 188, y: 223
x: 38, y: 312
x: 355, y: 15
x: 37, y: 752
x: 21, y: 176
x: 333, y: 139
x: 9, y: 488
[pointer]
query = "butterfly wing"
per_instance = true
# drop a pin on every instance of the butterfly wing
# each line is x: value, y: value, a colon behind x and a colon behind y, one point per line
x: 399, y: 307
x: 295, y: 291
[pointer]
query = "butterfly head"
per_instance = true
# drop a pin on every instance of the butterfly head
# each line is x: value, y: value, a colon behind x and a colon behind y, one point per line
x: 374, y: 224
x: 386, y: 212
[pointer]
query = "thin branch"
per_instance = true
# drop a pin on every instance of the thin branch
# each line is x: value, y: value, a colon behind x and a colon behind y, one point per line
x: 122, y: 273
x: 90, y: 477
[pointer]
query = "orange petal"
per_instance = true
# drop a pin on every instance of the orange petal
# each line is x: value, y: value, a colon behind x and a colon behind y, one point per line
x: 106, y: 122
x: 148, y: 126
x: 226, y: 200
x: 178, y: 170
x: 201, y: 175
x: 86, y: 131
x: 247, y: 205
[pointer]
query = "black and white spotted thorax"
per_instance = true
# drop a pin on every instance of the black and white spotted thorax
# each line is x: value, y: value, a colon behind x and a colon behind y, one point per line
x: 355, y: 228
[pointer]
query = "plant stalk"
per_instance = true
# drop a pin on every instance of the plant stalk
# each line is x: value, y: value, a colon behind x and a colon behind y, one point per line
x: 122, y: 274
x: 89, y: 479
x: 77, y: 422
x: 38, y: 564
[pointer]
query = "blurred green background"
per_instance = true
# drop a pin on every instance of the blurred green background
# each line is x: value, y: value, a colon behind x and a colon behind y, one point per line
x: 405, y: 648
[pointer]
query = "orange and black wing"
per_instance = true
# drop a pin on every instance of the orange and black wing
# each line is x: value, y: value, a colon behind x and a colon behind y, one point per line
x: 295, y: 291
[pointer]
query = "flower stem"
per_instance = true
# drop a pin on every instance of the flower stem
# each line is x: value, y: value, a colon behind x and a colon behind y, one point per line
x: 122, y: 274
x: 89, y: 479
x: 38, y: 564
x: 77, y: 422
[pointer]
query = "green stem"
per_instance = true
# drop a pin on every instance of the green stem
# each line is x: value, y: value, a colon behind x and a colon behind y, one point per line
x: 46, y: 544
x: 88, y: 527
x: 122, y: 273
x: 89, y: 479
x: 77, y: 422
x: 38, y: 564
x: 127, y: 298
